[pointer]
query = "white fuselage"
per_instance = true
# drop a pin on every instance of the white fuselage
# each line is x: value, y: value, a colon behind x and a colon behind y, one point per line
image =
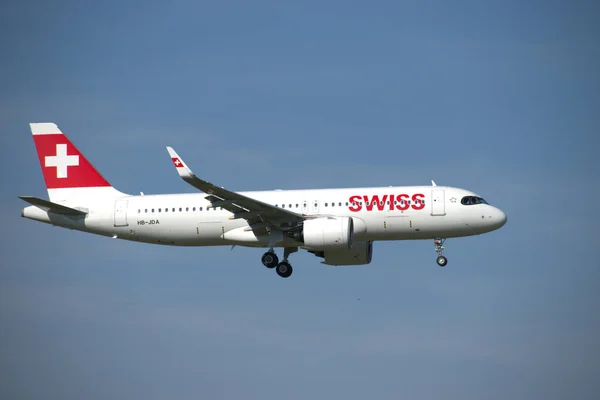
x: 188, y: 220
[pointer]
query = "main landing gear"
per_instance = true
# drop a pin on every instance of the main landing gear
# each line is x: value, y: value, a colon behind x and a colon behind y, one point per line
x: 439, y: 249
x: 270, y: 259
x: 283, y: 268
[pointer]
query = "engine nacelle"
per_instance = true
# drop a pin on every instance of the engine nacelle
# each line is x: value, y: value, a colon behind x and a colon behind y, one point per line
x: 360, y: 253
x: 328, y: 233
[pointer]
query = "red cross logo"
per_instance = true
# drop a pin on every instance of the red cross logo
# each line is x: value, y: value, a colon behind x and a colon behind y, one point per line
x: 62, y: 161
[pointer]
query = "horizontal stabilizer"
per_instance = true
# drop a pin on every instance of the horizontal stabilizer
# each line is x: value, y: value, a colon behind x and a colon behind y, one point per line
x: 49, y: 206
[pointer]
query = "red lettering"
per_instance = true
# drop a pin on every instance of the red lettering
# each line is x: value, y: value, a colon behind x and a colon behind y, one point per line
x: 368, y: 204
x: 355, y: 203
x: 418, y: 201
x: 380, y: 203
x: 375, y: 202
x: 402, y: 204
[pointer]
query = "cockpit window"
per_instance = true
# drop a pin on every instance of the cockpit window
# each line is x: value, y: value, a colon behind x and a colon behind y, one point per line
x: 470, y: 200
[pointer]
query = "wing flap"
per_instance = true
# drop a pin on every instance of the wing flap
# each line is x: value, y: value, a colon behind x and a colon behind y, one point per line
x: 49, y: 206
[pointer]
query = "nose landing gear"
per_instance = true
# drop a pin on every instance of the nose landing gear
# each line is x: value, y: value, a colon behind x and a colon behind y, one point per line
x: 442, y: 261
x: 439, y: 249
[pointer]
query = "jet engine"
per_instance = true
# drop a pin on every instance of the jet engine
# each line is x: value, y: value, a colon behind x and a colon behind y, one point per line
x: 327, y: 233
x: 360, y: 253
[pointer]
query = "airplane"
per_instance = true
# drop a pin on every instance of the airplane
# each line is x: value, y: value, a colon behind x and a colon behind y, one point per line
x: 337, y: 225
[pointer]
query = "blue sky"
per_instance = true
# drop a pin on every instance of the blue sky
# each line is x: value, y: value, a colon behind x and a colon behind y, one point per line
x: 501, y: 98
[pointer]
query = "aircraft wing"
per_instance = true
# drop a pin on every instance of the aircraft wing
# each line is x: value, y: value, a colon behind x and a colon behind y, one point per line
x: 254, y: 211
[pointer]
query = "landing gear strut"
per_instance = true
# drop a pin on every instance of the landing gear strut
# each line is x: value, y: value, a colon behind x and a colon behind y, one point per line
x: 439, y: 249
x: 283, y: 268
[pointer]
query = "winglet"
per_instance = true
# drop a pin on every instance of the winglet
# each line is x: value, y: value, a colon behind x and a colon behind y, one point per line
x: 182, y: 169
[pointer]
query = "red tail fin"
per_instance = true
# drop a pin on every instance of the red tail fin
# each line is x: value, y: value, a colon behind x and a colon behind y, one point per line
x: 69, y: 176
x: 62, y: 164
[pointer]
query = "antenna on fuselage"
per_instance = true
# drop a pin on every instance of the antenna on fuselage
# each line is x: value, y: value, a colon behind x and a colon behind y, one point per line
x: 433, y: 183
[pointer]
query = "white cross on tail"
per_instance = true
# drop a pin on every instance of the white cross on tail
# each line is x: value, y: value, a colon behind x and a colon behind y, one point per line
x: 61, y: 161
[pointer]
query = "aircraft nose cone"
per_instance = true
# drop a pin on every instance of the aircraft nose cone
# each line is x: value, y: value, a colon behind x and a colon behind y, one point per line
x: 503, y: 218
x: 499, y: 218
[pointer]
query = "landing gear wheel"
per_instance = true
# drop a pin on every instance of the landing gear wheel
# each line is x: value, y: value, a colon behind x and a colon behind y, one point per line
x: 284, y: 269
x: 270, y: 259
x: 442, y: 261
x: 439, y: 248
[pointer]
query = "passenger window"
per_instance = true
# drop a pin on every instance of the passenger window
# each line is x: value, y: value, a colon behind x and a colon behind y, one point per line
x: 139, y: 211
x: 159, y: 210
x: 283, y: 206
x: 180, y: 209
x: 325, y: 204
x: 290, y: 206
x: 146, y: 210
x: 153, y: 210
x: 194, y: 209
x: 187, y: 209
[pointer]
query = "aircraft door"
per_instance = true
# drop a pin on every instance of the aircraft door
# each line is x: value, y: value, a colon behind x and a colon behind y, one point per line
x: 121, y: 213
x: 438, y: 203
x: 304, y: 207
